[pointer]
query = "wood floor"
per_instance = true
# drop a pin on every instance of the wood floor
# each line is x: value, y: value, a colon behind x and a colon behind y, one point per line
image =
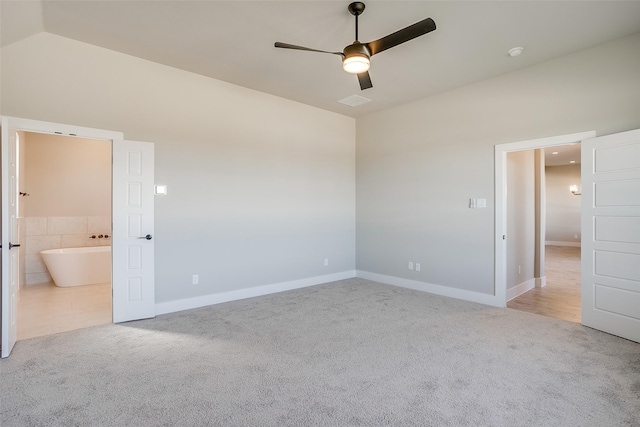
x: 45, y: 309
x: 561, y: 297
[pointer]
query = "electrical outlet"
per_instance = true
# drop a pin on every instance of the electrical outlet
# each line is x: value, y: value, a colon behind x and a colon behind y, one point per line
x: 195, y: 279
x: 410, y: 265
x: 326, y: 262
x: 519, y: 269
x: 417, y: 266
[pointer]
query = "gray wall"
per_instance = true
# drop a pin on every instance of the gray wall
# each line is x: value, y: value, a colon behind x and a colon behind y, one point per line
x: 520, y: 217
x: 261, y: 189
x: 563, y: 208
x: 418, y: 164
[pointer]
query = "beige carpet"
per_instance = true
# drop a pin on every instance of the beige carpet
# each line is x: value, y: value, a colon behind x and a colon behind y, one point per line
x: 350, y: 353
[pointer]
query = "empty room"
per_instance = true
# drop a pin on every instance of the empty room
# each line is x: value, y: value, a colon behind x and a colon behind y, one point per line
x: 315, y: 213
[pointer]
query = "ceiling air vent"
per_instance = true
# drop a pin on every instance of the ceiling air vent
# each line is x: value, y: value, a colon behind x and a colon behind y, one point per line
x: 354, y: 100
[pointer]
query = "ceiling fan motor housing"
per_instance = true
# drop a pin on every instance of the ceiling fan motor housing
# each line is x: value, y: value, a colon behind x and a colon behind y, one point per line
x: 356, y: 49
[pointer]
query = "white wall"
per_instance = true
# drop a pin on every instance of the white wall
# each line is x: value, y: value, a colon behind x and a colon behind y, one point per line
x: 261, y: 189
x: 418, y: 164
x: 520, y: 217
x: 67, y: 176
x: 563, y: 208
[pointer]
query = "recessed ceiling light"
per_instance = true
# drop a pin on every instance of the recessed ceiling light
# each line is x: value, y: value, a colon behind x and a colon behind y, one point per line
x: 555, y: 152
x: 515, y: 51
x: 572, y: 161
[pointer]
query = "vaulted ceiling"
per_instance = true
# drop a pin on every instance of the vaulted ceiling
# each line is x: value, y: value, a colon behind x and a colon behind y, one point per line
x: 233, y: 40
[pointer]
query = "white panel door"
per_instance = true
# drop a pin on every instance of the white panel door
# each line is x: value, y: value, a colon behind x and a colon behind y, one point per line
x: 10, y: 237
x: 611, y: 234
x: 133, y: 244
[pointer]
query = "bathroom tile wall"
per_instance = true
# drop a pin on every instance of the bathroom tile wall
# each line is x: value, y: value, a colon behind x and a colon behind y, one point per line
x: 57, y: 232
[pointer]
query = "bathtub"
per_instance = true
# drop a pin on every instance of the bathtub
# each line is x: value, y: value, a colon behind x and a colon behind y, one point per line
x: 78, y: 266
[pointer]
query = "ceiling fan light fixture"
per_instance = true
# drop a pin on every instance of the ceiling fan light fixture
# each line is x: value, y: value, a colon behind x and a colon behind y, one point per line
x: 356, y: 64
x: 356, y: 58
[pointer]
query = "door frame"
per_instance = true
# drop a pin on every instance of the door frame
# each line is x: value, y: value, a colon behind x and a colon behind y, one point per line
x: 57, y: 129
x: 500, y: 245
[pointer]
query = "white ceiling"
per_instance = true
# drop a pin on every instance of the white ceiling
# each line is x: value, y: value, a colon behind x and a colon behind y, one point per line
x: 233, y: 40
x: 565, y: 155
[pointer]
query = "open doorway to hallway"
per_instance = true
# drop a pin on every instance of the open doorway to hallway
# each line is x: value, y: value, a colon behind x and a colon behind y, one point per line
x: 560, y: 298
x: 557, y: 286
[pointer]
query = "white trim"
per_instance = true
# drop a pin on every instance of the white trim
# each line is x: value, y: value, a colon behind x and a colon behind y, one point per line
x: 212, y: 299
x: 431, y: 288
x: 500, y: 227
x: 38, y: 126
x: 520, y: 289
x: 541, y: 282
x: 558, y: 243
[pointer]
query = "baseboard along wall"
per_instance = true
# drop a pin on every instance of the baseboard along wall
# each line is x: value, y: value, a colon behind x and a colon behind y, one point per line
x: 520, y: 289
x: 222, y: 297
x: 558, y: 243
x: 432, y: 288
x: 218, y: 298
x: 541, y: 282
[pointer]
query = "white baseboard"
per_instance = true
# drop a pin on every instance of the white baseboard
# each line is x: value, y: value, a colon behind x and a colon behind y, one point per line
x: 431, y: 288
x: 211, y: 299
x: 541, y: 282
x: 520, y: 289
x: 557, y: 243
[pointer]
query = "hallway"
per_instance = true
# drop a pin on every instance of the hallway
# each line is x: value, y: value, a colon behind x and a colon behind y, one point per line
x: 561, y: 297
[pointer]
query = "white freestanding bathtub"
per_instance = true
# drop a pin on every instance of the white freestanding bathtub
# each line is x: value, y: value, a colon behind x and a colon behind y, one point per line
x: 78, y: 266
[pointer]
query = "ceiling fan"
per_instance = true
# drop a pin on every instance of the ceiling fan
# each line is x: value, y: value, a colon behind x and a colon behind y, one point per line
x: 356, y: 56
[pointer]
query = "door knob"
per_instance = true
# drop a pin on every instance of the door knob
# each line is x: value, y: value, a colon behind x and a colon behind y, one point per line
x: 148, y: 237
x: 11, y: 245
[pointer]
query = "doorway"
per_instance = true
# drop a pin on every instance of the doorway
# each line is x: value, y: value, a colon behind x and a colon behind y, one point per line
x: 132, y: 256
x: 501, y: 249
x: 64, y: 207
x: 557, y: 283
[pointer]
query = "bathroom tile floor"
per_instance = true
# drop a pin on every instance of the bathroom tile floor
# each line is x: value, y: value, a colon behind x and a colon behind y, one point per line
x: 45, y: 309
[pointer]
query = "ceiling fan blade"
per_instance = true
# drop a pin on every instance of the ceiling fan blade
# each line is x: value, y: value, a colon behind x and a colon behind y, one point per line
x: 404, y: 35
x: 365, y: 80
x: 292, y: 46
